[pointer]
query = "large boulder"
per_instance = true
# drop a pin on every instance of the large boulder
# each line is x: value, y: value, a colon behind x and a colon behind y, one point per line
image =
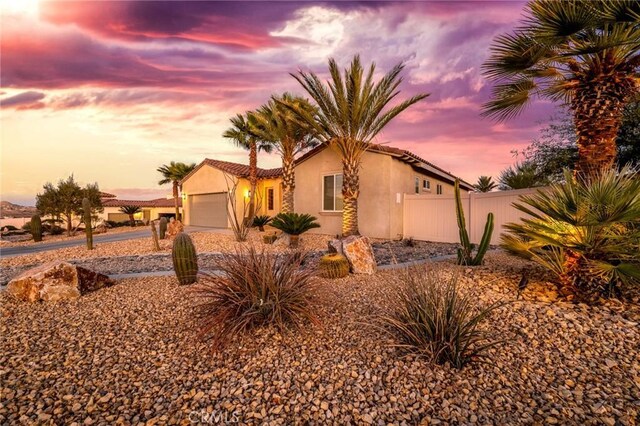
x: 359, y: 253
x: 56, y: 281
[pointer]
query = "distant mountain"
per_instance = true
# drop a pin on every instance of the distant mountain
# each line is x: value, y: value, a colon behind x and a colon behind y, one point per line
x: 8, y: 209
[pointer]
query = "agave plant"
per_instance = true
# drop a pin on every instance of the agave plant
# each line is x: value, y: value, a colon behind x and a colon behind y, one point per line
x: 585, y: 231
x: 261, y: 221
x: 294, y: 224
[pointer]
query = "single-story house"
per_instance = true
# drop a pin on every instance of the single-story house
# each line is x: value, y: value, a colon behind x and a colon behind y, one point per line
x: 386, y: 174
x: 151, y: 209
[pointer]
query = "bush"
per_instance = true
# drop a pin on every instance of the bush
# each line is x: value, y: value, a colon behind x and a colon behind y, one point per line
x: 11, y: 227
x: 114, y: 224
x: 434, y: 320
x: 585, y: 231
x: 255, y: 290
x: 27, y: 226
x: 294, y: 224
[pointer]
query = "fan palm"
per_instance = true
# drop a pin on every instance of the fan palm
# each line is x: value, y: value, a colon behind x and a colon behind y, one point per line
x: 584, y: 53
x: 352, y: 110
x: 485, y: 184
x: 130, y: 211
x: 585, y: 231
x: 173, y: 174
x: 279, y: 125
x: 522, y: 175
x: 241, y: 134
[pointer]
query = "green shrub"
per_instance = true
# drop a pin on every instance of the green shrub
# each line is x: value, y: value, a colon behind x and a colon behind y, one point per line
x: 26, y: 226
x: 433, y: 319
x: 261, y: 221
x: 294, y: 224
x: 12, y: 228
x: 585, y: 231
x: 253, y: 290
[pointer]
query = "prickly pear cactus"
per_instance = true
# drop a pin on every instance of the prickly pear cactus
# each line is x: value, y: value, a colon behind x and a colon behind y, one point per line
x: 185, y: 260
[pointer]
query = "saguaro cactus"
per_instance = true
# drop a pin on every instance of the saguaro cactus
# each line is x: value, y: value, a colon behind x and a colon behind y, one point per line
x: 88, y: 229
x: 36, y: 227
x: 163, y: 227
x: 465, y: 253
x: 185, y: 260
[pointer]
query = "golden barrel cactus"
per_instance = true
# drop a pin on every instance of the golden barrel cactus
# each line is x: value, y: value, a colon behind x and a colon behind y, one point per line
x: 334, y: 265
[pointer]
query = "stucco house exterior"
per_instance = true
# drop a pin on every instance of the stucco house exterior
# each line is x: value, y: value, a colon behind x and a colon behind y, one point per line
x: 386, y: 174
x: 151, y: 209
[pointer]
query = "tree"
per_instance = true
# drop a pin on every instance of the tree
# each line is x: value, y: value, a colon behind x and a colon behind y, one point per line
x: 485, y: 184
x: 131, y: 210
x: 584, y: 53
x: 276, y: 123
x: 173, y: 174
x: 66, y: 200
x: 351, y: 112
x: 241, y: 134
x: 522, y: 175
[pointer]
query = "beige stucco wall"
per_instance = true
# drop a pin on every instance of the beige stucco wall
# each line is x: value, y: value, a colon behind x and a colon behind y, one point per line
x: 149, y: 213
x: 383, y: 182
x: 208, y: 180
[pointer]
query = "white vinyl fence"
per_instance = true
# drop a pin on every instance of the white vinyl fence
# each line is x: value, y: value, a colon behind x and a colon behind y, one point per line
x: 433, y: 217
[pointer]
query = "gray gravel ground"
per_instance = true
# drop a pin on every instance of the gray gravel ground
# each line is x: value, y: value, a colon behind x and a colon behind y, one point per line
x: 130, y: 354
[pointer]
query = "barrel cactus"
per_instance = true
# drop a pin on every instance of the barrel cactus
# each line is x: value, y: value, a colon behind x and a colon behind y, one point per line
x: 88, y: 229
x: 334, y: 265
x: 163, y: 227
x: 185, y: 260
x: 36, y: 228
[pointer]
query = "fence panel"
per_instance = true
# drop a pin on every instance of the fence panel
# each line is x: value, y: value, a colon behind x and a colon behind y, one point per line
x: 433, y: 217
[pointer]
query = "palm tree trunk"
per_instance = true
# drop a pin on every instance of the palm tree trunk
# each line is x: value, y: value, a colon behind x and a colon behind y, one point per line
x: 350, y: 192
x: 253, y: 178
x: 132, y: 221
x: 597, y: 107
x: 176, y: 198
x: 288, y: 182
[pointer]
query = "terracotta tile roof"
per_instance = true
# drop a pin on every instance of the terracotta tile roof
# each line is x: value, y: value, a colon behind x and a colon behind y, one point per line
x: 235, y: 169
x: 405, y: 156
x: 106, y: 195
x: 158, y: 202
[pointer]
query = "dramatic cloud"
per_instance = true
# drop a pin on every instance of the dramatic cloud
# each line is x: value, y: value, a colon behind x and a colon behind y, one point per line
x: 24, y: 100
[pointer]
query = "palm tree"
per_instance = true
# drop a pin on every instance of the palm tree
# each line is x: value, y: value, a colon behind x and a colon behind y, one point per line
x: 522, y: 175
x: 131, y: 210
x: 485, y: 184
x: 174, y: 173
x: 277, y: 123
x: 351, y: 112
x: 584, y: 53
x: 240, y: 133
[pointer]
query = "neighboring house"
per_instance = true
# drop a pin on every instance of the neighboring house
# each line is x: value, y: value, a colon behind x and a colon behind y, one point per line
x: 151, y: 209
x: 386, y: 174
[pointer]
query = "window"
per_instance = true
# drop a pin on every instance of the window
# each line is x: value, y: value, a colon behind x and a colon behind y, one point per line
x: 417, y: 185
x: 438, y: 189
x: 426, y: 185
x: 332, y: 193
x: 269, y: 198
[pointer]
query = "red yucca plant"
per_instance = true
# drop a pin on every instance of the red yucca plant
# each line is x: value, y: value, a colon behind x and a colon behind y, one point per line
x: 254, y: 289
x: 433, y: 319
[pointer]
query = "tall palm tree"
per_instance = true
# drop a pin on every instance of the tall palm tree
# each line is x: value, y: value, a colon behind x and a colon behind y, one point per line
x: 485, y: 184
x: 520, y: 176
x: 352, y: 110
x: 584, y: 53
x: 130, y: 211
x: 277, y: 123
x: 240, y: 133
x: 173, y: 174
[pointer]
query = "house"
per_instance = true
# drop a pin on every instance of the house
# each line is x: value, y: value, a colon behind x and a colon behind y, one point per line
x: 386, y: 174
x: 151, y: 209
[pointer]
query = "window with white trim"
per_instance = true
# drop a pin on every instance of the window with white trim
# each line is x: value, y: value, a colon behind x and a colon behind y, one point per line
x: 426, y: 185
x: 332, y: 193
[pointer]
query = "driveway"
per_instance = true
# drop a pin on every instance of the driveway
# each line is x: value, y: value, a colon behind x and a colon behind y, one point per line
x: 100, y: 238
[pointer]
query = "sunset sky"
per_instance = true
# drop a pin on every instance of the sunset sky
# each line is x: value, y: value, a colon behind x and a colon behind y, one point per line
x: 111, y: 90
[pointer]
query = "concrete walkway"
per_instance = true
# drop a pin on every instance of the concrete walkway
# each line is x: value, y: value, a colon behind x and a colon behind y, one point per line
x: 97, y: 239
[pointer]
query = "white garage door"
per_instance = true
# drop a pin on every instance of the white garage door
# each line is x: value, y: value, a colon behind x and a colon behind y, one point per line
x: 208, y: 210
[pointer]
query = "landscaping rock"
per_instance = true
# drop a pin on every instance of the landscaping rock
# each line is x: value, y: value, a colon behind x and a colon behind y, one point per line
x: 359, y: 253
x: 56, y: 281
x: 174, y: 228
x: 335, y: 246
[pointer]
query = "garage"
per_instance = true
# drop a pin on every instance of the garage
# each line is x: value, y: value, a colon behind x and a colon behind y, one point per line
x: 208, y: 210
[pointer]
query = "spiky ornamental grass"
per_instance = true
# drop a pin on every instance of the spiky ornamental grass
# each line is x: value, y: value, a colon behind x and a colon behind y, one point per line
x: 253, y: 290
x: 434, y: 320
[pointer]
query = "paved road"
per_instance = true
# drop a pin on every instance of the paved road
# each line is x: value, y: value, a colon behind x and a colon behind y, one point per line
x: 97, y: 239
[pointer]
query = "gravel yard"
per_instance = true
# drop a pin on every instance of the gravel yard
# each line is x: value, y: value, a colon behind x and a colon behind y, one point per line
x: 129, y: 354
x: 80, y: 235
